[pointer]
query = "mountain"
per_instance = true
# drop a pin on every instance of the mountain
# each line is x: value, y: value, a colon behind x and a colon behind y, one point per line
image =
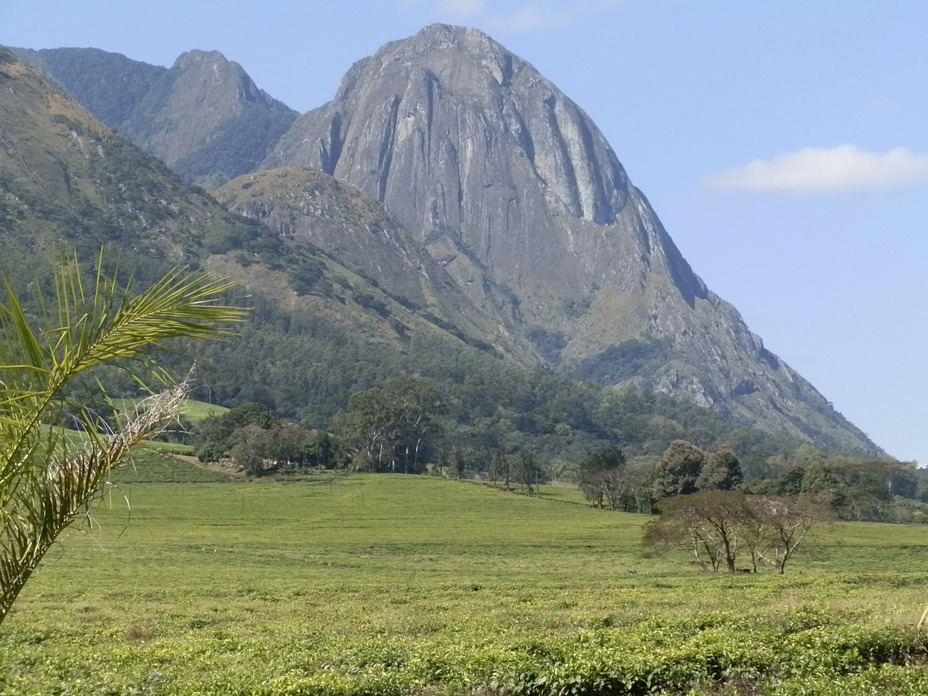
x: 491, y: 174
x: 65, y: 178
x: 310, y: 206
x: 204, y: 117
x: 514, y: 190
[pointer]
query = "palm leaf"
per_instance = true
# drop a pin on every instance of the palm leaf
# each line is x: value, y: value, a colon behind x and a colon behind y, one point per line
x: 45, y: 479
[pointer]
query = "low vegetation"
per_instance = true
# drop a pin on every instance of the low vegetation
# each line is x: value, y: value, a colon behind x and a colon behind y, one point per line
x: 392, y: 584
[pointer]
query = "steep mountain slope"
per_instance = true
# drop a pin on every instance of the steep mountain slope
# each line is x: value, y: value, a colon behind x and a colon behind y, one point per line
x: 513, y: 189
x: 508, y: 186
x: 308, y: 205
x: 67, y: 178
x: 204, y: 117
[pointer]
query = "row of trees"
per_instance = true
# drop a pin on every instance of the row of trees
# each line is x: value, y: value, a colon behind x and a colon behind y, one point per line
x: 406, y: 425
x: 304, y: 368
x: 257, y: 441
x: 881, y: 490
x: 609, y: 480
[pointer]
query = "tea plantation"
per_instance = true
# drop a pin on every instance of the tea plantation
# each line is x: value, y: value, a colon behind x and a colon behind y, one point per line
x: 391, y: 584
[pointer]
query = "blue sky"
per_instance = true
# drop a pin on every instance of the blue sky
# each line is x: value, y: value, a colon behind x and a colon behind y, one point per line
x: 784, y: 145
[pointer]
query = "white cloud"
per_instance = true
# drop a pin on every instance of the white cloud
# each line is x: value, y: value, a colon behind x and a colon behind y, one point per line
x: 534, y: 16
x: 827, y: 170
x: 529, y: 16
x: 463, y: 9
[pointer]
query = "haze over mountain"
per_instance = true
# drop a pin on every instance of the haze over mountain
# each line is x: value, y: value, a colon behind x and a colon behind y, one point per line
x: 516, y: 195
x: 204, y: 117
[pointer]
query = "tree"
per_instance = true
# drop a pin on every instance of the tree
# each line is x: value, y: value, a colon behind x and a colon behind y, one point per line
x: 717, y: 525
x: 721, y: 471
x: 460, y: 463
x: 48, y: 478
x: 782, y: 526
x: 707, y: 522
x: 678, y: 470
x: 499, y: 467
x: 602, y: 477
x: 526, y: 471
x: 389, y: 426
x: 417, y: 404
x: 250, y: 446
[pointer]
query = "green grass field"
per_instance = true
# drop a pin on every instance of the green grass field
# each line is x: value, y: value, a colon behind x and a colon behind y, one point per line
x: 191, y: 409
x: 397, y: 584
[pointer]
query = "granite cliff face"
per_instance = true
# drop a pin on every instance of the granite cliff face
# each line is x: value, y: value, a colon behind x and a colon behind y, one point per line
x: 477, y: 153
x: 513, y: 189
x: 310, y: 206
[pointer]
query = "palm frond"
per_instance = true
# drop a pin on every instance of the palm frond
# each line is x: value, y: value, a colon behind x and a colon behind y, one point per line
x: 45, y: 479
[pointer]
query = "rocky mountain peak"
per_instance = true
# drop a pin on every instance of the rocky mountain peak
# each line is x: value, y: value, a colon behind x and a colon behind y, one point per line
x: 509, y: 120
x: 495, y: 182
x: 513, y: 189
x: 220, y: 81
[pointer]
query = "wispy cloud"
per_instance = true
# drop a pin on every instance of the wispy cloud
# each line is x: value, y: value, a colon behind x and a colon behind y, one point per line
x: 462, y: 9
x: 827, y: 170
x: 529, y: 16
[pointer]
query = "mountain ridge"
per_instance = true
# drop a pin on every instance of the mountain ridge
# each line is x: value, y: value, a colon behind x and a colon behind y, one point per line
x: 597, y: 280
x: 511, y: 185
x: 191, y: 115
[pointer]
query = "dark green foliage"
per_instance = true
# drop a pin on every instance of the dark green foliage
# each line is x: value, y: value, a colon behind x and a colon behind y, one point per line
x: 526, y: 471
x: 679, y: 469
x: 498, y: 468
x: 370, y: 301
x: 549, y: 344
x: 306, y: 276
x: 684, y: 468
x: 632, y: 358
x: 391, y: 427
x: 257, y: 441
x: 238, y: 145
x: 603, y: 477
x: 720, y: 472
x: 246, y: 236
x: 884, y: 491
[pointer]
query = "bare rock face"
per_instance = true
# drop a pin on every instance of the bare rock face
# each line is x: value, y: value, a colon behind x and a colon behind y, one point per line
x: 513, y: 189
x: 311, y: 206
x: 206, y: 119
x: 470, y: 147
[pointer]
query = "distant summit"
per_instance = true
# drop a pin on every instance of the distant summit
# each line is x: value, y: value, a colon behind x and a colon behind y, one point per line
x: 204, y: 117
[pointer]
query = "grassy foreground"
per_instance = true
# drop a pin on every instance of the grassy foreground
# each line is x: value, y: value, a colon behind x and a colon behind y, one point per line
x: 413, y: 585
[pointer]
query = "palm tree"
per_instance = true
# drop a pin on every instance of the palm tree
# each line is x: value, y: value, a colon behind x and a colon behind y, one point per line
x: 49, y: 477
